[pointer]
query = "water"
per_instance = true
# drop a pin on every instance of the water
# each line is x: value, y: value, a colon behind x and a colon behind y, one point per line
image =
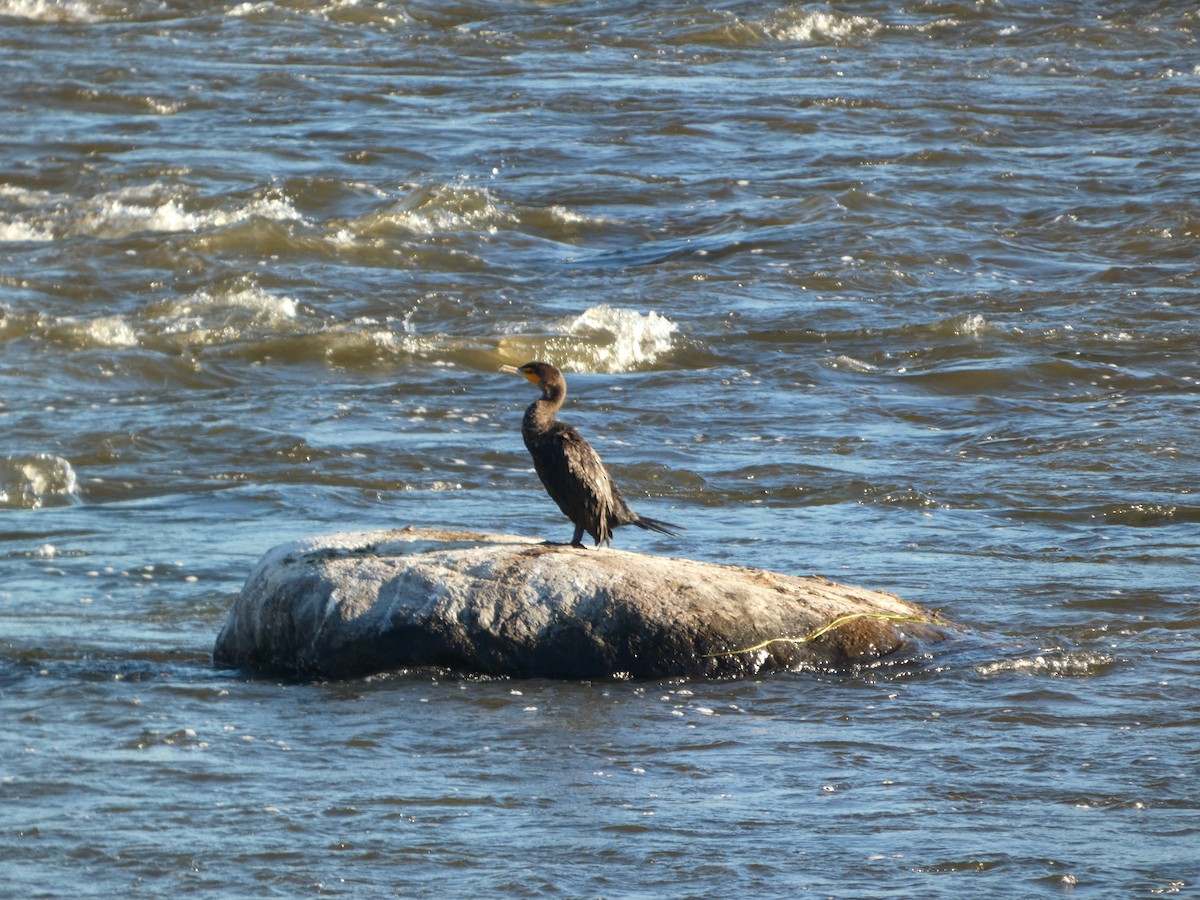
x: 901, y: 294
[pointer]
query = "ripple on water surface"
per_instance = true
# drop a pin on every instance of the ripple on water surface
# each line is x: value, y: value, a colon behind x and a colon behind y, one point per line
x: 901, y: 295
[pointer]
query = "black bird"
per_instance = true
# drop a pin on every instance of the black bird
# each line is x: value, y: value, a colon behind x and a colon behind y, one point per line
x: 571, y: 470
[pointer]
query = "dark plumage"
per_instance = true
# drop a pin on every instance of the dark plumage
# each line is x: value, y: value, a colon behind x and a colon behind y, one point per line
x: 570, y: 469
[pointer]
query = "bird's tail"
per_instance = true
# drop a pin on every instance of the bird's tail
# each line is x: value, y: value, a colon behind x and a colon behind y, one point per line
x: 656, y: 525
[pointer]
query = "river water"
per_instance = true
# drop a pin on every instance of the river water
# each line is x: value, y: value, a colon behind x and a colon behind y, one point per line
x: 899, y: 293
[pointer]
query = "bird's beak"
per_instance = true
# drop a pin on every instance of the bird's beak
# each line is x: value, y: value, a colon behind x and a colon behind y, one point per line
x: 513, y: 370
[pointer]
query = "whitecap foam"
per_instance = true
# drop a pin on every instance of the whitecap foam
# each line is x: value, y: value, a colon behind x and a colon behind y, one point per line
x: 114, y: 217
x: 107, y: 331
x: 600, y: 339
x: 145, y: 208
x: 436, y: 209
x: 248, y: 9
x: 566, y: 216
x: 1053, y: 663
x: 49, y: 10
x: 150, y: 208
x: 18, y: 231
x: 971, y: 326
x: 134, y: 210
x: 24, y: 226
x: 27, y: 482
x: 818, y: 25
x: 24, y: 196
x: 850, y: 364
x: 209, y: 318
x: 331, y: 10
x: 630, y: 338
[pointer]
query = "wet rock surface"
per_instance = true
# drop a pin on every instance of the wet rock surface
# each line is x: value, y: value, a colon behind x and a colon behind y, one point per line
x: 354, y: 603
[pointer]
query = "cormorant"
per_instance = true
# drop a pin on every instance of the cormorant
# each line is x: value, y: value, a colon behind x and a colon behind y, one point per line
x: 571, y: 470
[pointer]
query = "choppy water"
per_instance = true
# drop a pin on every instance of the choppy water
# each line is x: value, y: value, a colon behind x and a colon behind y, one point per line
x: 904, y: 294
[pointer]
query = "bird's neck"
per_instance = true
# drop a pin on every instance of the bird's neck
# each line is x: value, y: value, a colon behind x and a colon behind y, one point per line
x: 540, y: 414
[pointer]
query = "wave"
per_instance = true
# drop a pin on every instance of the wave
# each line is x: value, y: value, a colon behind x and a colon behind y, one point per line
x: 154, y: 208
x: 349, y: 12
x: 23, y: 225
x: 23, y: 232
x: 946, y: 347
x: 118, y: 216
x: 50, y: 10
x: 33, y: 480
x: 442, y: 219
x: 200, y: 319
x: 818, y: 26
x: 459, y: 208
x: 600, y: 339
x: 1053, y: 663
x: 246, y: 320
x: 105, y: 331
x: 433, y: 209
x: 970, y: 354
x: 960, y: 24
x: 804, y: 24
x: 206, y: 317
x: 1147, y: 515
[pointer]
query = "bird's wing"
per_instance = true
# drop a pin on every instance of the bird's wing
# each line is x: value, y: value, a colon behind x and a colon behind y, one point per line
x: 575, y: 477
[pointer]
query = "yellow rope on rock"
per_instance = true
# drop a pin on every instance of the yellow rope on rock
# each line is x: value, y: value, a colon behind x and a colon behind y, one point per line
x: 825, y: 629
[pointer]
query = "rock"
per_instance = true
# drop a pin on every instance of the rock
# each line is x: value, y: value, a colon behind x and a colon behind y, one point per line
x: 355, y: 603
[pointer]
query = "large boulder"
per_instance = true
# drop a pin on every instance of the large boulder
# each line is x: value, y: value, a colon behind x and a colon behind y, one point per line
x: 351, y: 604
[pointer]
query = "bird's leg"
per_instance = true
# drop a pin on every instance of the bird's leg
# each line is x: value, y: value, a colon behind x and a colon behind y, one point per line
x: 577, y: 540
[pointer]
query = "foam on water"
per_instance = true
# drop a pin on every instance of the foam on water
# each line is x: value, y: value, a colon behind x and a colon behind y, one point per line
x: 135, y: 210
x: 216, y: 317
x: 435, y: 209
x: 602, y: 338
x: 30, y: 481
x: 20, y: 227
x: 849, y: 363
x: 792, y: 24
x: 629, y: 338
x: 353, y: 11
x: 1052, y: 663
x: 282, y: 328
x: 105, y: 331
x: 565, y: 216
x: 202, y: 318
x: 49, y: 10
x: 23, y: 231
x: 912, y: 286
x: 971, y: 326
x: 161, y: 208
x: 463, y: 208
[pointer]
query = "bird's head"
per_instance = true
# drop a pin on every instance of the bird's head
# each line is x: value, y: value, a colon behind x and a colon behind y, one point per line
x: 544, y: 375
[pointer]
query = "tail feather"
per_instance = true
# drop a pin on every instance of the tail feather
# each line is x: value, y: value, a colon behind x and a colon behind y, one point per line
x: 656, y: 525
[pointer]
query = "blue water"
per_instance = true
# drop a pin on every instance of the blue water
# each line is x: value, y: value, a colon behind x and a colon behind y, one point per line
x: 899, y: 294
